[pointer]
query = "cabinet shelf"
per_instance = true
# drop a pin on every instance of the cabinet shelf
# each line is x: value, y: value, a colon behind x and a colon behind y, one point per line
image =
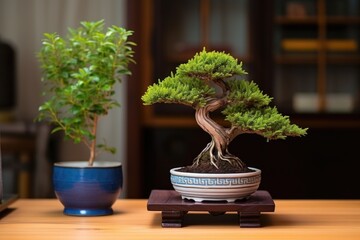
x: 329, y: 45
x: 310, y: 120
x: 296, y: 59
x: 313, y: 59
x: 343, y: 20
x: 314, y: 20
x: 343, y: 59
x: 285, y: 20
x: 317, y: 54
x: 327, y: 120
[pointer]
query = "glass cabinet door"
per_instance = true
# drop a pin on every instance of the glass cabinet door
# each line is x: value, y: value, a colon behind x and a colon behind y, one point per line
x: 343, y: 56
x: 183, y: 27
x: 316, y: 56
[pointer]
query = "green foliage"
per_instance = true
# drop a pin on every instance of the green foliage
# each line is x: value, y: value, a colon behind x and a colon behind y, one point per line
x: 176, y: 89
x: 191, y: 84
x: 249, y: 109
x: 246, y: 94
x: 79, y: 76
x: 216, y: 75
x: 267, y: 122
x: 211, y: 66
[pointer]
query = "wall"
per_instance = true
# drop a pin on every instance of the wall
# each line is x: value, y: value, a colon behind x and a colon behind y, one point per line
x: 22, y: 24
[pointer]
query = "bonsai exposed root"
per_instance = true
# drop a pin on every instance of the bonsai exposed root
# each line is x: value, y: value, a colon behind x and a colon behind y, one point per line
x: 208, y: 152
x: 217, y: 160
x: 231, y: 159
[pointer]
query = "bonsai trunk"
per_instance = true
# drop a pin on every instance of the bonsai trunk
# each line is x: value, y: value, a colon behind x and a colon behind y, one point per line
x: 92, y: 153
x: 216, y: 156
x: 92, y: 145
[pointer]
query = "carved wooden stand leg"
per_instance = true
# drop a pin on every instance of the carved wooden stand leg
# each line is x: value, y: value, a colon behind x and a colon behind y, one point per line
x: 172, y: 219
x: 249, y: 219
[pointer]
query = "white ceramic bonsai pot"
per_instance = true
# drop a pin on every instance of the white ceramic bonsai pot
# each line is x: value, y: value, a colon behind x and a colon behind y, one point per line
x: 214, y: 186
x: 87, y: 191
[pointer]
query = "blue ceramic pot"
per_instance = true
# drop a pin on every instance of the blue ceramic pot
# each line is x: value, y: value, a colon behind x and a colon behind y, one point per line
x: 87, y: 191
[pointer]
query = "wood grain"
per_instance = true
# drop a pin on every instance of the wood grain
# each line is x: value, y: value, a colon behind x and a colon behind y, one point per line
x: 293, y: 219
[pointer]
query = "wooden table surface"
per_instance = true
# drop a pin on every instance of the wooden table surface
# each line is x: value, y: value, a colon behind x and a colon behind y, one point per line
x: 292, y: 219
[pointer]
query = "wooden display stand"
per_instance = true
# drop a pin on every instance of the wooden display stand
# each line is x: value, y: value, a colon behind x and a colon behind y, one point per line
x: 173, y: 207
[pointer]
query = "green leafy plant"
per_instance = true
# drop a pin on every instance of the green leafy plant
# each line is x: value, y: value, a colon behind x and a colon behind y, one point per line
x: 210, y: 82
x: 79, y: 76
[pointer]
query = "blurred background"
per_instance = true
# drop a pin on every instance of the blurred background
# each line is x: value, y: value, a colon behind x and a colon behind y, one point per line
x: 304, y: 53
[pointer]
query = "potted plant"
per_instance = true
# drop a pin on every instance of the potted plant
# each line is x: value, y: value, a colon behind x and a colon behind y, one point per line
x: 79, y: 75
x: 211, y: 82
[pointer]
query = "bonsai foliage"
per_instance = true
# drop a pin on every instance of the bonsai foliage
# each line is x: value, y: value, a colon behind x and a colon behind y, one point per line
x: 79, y: 74
x: 208, y: 82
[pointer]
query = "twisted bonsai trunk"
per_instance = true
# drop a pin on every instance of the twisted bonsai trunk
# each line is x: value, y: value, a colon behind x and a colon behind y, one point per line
x: 215, y: 157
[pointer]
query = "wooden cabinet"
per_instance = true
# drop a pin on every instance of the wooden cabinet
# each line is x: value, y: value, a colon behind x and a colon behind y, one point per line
x: 179, y: 29
x: 304, y: 53
x: 317, y: 56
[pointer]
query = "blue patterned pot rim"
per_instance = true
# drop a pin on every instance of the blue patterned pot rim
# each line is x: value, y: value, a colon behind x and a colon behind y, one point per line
x: 215, y: 182
x: 174, y: 171
x: 84, y: 164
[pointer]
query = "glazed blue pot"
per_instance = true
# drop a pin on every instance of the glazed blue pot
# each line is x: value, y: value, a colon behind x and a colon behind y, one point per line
x: 87, y: 191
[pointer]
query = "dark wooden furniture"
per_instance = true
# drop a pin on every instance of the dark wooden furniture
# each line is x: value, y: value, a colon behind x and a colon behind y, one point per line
x: 164, y: 136
x: 316, y: 54
x: 173, y: 208
x: 27, y: 146
x: 19, y: 140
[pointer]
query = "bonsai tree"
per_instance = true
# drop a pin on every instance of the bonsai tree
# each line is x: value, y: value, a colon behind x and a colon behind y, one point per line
x: 79, y: 74
x: 210, y: 82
